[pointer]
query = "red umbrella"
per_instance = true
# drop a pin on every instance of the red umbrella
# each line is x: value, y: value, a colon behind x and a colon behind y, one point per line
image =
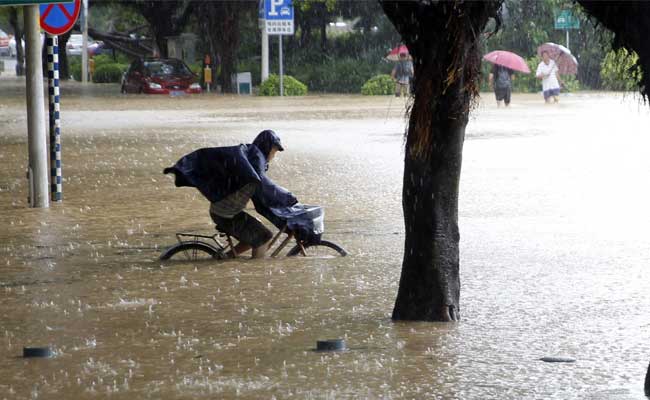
x: 394, y: 54
x: 507, y: 59
x: 566, y: 62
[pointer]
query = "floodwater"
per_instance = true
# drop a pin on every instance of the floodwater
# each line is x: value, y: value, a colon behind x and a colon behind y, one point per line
x: 554, y: 223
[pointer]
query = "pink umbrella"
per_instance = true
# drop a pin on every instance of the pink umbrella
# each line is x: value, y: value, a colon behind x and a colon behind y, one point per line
x: 565, y: 61
x: 507, y: 59
x: 394, y: 54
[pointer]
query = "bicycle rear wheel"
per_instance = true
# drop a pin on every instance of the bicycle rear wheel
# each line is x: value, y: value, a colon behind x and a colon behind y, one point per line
x: 190, y: 251
x: 322, y: 249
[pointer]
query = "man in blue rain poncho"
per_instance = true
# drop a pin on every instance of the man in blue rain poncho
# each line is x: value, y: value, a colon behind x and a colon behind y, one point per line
x: 230, y: 176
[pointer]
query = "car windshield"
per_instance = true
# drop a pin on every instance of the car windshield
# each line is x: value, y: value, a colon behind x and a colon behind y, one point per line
x: 168, y: 67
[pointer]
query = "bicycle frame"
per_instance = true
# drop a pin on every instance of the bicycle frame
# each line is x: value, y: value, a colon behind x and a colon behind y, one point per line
x: 221, y: 248
x: 195, y: 239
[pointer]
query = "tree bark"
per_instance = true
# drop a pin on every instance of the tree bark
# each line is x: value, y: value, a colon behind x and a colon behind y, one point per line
x: 429, y: 286
x: 443, y: 39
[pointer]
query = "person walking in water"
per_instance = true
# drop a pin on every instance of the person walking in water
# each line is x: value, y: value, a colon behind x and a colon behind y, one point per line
x: 548, y: 73
x: 402, y: 74
x: 500, y: 80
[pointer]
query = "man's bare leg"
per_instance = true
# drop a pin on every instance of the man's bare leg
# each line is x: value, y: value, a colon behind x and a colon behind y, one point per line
x: 260, y: 252
x: 239, y: 249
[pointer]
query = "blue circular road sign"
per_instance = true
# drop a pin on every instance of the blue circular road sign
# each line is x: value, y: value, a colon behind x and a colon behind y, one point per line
x: 59, y: 18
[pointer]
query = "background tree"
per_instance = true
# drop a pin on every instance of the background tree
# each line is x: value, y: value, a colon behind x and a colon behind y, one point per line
x: 15, y: 16
x: 165, y: 18
x: 313, y: 15
x: 219, y: 24
x: 111, y: 16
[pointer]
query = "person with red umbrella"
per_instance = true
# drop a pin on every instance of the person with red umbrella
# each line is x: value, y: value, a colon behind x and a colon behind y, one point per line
x: 502, y: 85
x: 502, y: 74
x: 402, y: 73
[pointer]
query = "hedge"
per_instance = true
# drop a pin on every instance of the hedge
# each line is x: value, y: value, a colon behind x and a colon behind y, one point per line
x: 109, y: 73
x: 292, y: 86
x: 378, y: 85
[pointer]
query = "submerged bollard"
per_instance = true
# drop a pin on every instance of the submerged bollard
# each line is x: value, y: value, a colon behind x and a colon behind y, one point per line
x: 42, y: 352
x: 558, y: 359
x: 331, y: 345
x: 646, y: 387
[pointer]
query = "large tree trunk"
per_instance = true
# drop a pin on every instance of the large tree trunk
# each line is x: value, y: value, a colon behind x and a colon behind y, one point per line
x: 443, y: 39
x: 430, y: 284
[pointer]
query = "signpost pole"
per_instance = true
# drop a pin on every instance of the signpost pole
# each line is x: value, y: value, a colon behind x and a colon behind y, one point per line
x: 84, y: 41
x: 277, y: 18
x: 37, y: 143
x: 567, y: 39
x: 56, y: 178
x: 281, y: 72
x: 265, y: 54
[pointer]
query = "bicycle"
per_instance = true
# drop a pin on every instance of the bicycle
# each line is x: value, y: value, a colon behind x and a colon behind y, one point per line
x: 206, y: 247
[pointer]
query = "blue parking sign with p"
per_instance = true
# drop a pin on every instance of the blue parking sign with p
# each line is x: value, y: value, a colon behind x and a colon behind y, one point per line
x: 278, y: 10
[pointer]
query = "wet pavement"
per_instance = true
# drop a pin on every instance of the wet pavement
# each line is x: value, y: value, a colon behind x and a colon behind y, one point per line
x: 554, y: 223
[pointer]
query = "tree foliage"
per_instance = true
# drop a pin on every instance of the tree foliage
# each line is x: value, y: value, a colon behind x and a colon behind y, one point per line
x: 620, y: 70
x: 165, y: 18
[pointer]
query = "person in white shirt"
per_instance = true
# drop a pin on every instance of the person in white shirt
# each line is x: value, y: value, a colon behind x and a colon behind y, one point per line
x: 547, y: 71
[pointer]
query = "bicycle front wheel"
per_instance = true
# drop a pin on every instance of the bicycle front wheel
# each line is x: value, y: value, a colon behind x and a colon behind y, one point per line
x: 190, y: 251
x: 322, y: 249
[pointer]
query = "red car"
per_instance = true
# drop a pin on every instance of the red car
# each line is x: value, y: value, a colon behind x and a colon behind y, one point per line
x: 159, y: 76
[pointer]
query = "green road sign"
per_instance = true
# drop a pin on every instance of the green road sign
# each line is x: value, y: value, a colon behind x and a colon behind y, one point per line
x: 28, y: 2
x: 566, y: 20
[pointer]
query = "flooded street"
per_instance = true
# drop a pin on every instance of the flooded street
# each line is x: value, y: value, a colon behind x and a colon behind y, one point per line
x: 554, y: 219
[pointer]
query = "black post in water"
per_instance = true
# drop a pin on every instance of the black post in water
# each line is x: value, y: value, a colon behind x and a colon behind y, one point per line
x: 647, y: 382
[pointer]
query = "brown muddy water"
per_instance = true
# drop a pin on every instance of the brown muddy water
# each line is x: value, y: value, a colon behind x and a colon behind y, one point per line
x: 554, y: 221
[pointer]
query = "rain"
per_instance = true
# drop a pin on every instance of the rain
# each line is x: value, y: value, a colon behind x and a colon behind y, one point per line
x: 553, y: 221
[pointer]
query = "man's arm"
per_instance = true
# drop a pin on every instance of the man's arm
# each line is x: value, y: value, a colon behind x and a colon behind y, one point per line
x: 269, y: 196
x: 538, y: 74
